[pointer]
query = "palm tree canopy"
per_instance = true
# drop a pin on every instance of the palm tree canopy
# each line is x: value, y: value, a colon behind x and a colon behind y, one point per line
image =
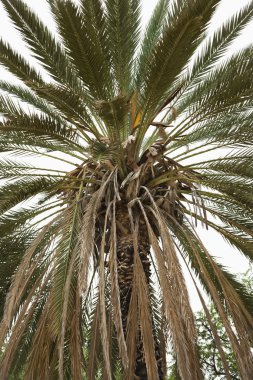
x: 91, y: 256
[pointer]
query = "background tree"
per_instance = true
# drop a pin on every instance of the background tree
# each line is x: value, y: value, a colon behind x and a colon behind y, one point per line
x: 209, y: 354
x: 210, y: 359
x: 132, y: 117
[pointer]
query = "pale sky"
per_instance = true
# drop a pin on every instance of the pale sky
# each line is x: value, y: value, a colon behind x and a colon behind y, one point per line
x: 214, y: 243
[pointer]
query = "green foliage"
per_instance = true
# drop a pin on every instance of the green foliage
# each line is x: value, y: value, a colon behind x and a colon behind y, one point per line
x: 210, y: 359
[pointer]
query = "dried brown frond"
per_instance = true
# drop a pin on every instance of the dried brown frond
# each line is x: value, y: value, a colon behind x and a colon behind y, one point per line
x: 115, y: 291
x: 237, y: 344
x: 212, y: 327
x: 23, y: 275
x: 103, y: 319
x: 21, y: 323
x: 132, y: 333
x: 94, y: 345
x: 87, y: 233
x: 39, y: 360
x: 177, y: 308
x: 75, y: 341
x: 147, y: 338
x: 75, y: 318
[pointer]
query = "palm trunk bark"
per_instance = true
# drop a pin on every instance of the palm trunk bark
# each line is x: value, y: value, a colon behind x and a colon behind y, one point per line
x: 125, y: 257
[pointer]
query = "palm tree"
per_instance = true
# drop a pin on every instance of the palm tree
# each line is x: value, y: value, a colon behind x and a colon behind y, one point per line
x: 92, y: 256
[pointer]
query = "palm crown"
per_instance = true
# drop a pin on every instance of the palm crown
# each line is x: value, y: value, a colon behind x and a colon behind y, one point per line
x: 86, y: 296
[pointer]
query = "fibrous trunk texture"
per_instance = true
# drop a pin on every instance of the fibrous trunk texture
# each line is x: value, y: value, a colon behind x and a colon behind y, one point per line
x: 125, y: 257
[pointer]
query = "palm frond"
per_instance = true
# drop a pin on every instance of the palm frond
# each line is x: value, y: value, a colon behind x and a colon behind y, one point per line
x: 152, y: 33
x: 12, y: 248
x: 122, y: 25
x: 172, y: 51
x: 223, y: 130
x: 20, y: 129
x: 219, y: 98
x: 216, y: 46
x: 17, y: 221
x: 39, y: 39
x: 18, y: 191
x: 62, y: 301
x: 88, y: 59
x: 26, y: 95
x: 18, y: 65
x: 178, y: 314
x: 224, y: 283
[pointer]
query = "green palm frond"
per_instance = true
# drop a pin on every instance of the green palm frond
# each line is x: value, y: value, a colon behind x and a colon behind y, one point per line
x: 234, y: 233
x: 222, y: 97
x: 69, y: 103
x: 20, y: 190
x: 73, y: 29
x: 216, y: 46
x: 18, y: 65
x: 27, y: 96
x: 10, y: 168
x: 224, y: 130
x: 236, y: 187
x: 43, y: 45
x: 17, y: 221
x: 39, y: 131
x: 172, y: 51
x: 8, y: 107
x: 152, y: 34
x: 228, y: 210
x: 122, y: 24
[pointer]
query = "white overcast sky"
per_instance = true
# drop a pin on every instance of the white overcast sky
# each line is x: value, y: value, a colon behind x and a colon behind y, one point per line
x: 214, y: 243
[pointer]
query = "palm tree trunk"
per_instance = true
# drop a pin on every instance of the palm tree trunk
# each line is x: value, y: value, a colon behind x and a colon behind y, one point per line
x: 125, y: 256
